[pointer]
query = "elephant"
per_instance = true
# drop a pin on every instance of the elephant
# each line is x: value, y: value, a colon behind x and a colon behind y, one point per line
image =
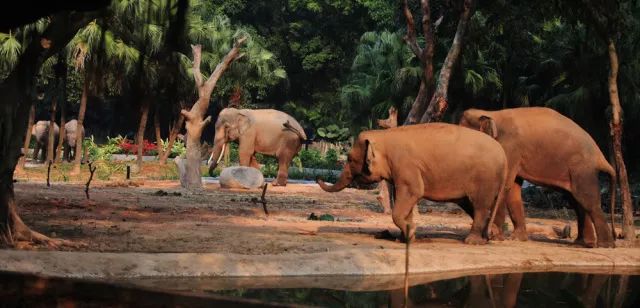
x: 71, y: 131
x: 266, y: 131
x: 40, y: 131
x: 436, y: 161
x: 547, y: 148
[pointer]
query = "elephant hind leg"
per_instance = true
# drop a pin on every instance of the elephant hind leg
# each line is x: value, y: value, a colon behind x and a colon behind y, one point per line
x: 516, y: 211
x: 586, y: 233
x: 288, y: 149
x: 586, y: 191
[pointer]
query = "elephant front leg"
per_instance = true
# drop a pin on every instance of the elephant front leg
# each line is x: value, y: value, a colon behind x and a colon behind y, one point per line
x: 402, y: 212
x: 246, y: 150
x: 36, y: 149
x: 254, y: 162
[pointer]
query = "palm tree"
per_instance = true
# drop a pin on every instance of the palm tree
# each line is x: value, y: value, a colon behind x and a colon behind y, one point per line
x: 383, y: 72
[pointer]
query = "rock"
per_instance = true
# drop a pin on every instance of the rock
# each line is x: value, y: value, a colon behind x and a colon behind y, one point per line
x: 241, y: 177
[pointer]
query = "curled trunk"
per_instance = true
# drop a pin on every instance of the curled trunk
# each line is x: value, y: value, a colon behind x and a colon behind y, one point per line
x: 344, y: 181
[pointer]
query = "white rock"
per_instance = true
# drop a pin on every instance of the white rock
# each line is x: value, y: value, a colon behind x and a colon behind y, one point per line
x: 241, y: 177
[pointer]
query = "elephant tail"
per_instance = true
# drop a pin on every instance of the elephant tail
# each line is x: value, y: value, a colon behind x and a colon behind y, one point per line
x: 500, y: 199
x: 608, y: 169
x: 287, y: 126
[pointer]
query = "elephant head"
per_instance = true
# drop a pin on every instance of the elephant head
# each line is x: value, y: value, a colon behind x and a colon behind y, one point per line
x: 230, y: 125
x: 479, y: 120
x: 366, y: 164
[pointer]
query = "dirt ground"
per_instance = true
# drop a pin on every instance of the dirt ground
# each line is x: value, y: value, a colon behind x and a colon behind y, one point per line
x: 158, y: 216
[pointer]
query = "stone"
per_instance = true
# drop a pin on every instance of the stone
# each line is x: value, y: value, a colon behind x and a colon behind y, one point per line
x: 241, y: 177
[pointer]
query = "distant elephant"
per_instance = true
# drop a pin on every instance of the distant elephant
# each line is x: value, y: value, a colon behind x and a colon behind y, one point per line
x: 436, y: 161
x: 40, y: 131
x: 71, y: 133
x: 547, y: 148
x: 266, y: 131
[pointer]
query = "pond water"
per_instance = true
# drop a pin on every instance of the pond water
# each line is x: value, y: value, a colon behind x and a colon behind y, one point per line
x: 551, y: 289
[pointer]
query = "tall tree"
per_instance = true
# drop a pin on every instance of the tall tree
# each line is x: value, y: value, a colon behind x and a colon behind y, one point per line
x: 16, y: 92
x: 195, y: 117
x: 608, y: 18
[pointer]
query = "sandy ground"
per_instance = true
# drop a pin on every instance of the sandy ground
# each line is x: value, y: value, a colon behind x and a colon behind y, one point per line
x: 220, y: 232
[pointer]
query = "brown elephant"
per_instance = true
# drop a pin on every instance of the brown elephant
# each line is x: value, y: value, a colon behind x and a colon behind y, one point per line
x: 266, y: 131
x: 547, y: 148
x: 436, y: 161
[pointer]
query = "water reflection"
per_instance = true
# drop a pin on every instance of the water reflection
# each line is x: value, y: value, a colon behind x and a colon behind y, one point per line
x: 552, y: 289
x: 504, y: 290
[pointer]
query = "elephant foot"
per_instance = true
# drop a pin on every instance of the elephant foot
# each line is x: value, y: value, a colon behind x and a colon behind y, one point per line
x: 588, y: 244
x: 496, y: 233
x: 606, y: 244
x: 475, y: 239
x: 278, y: 183
x: 519, y: 235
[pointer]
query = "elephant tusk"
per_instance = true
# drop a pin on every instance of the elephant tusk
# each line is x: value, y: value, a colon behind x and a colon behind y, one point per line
x: 224, y: 145
x: 210, y: 158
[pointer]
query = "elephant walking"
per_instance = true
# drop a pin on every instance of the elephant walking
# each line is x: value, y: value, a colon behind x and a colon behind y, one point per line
x: 547, y: 148
x: 266, y: 131
x: 40, y: 131
x: 71, y: 132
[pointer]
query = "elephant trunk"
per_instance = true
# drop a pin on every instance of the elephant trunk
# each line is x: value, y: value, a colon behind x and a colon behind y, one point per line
x: 344, y: 180
x: 216, y: 155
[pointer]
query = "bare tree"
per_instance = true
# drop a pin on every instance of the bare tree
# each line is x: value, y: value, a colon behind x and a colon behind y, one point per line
x: 424, y: 54
x: 439, y: 103
x: 195, y: 118
x: 158, y: 131
x: 144, y: 115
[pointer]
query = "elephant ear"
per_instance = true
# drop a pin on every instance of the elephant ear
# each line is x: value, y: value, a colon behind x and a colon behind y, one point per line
x: 243, y: 121
x: 488, y: 126
x: 369, y: 156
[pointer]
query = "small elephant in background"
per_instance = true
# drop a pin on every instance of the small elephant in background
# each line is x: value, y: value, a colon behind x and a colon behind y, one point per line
x: 40, y: 131
x: 71, y: 134
x: 266, y: 131
x: 436, y: 161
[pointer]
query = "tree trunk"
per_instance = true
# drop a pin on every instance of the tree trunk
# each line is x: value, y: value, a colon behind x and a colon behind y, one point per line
x: 51, y: 139
x: 62, y: 132
x: 425, y: 55
x: 144, y: 114
x: 195, y: 120
x: 156, y: 124
x: 27, y: 138
x: 80, y: 128
x: 15, y: 93
x: 438, y: 104
x: 175, y: 130
x: 628, y: 230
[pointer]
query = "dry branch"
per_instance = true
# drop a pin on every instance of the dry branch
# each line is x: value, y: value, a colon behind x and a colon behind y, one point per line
x: 92, y: 169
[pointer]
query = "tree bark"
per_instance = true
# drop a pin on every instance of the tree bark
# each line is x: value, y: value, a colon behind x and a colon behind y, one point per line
x: 27, y: 138
x: 80, y: 128
x: 425, y: 55
x: 156, y: 124
x: 62, y: 132
x: 628, y: 230
x: 175, y: 130
x: 16, y: 92
x: 51, y: 139
x: 144, y: 115
x: 438, y: 104
x: 195, y: 121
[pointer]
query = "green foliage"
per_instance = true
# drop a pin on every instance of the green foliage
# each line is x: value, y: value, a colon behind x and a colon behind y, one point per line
x: 178, y: 148
x: 333, y: 133
x: 384, y: 73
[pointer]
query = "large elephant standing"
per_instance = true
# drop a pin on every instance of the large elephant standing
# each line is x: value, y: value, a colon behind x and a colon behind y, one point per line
x: 71, y: 131
x: 266, y: 131
x: 40, y: 131
x: 547, y: 148
x: 437, y: 161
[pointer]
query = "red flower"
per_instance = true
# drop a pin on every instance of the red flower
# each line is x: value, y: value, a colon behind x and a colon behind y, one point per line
x: 131, y: 148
